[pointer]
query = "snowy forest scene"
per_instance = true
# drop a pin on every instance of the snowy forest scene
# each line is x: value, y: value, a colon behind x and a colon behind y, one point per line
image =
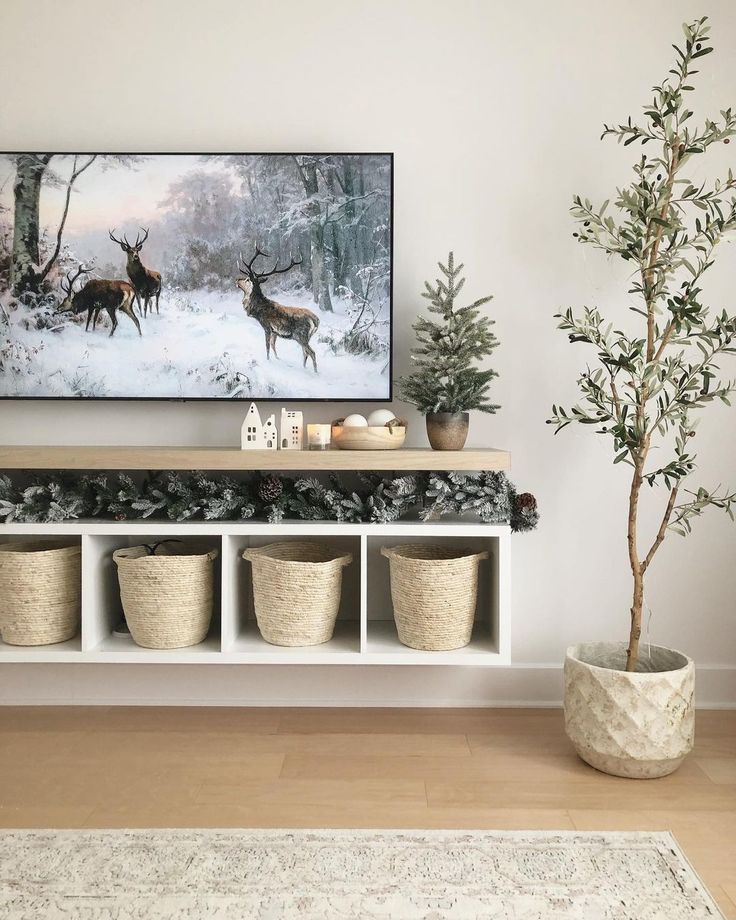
x: 195, y: 276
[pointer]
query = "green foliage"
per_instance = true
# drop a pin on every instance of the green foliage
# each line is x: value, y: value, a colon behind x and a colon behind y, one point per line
x: 445, y: 378
x: 460, y: 493
x: 489, y: 497
x: 647, y: 385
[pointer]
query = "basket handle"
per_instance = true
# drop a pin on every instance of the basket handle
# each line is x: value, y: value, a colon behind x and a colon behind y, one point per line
x: 253, y: 551
x: 388, y: 552
x: 152, y: 547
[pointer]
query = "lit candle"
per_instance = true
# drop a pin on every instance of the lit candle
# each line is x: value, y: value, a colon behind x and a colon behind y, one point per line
x: 318, y: 437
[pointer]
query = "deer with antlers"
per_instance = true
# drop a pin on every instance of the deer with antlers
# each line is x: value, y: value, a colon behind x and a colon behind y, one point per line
x: 96, y: 295
x: 147, y: 283
x: 277, y: 321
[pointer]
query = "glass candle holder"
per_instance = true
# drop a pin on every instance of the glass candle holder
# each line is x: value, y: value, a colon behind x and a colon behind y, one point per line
x: 318, y: 437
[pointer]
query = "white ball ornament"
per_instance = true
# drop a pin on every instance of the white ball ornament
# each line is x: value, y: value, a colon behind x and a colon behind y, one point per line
x: 355, y: 421
x: 380, y: 417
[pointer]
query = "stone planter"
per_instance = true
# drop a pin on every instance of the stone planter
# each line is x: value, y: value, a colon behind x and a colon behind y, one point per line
x: 640, y: 724
x: 447, y: 430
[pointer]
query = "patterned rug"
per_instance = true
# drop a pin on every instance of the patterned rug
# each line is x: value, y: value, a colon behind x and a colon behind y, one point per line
x: 352, y: 875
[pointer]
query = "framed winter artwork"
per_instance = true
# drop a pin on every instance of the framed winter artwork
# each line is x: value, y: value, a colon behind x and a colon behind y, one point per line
x: 196, y: 276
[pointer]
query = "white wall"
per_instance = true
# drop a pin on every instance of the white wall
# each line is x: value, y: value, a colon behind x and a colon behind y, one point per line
x: 493, y: 110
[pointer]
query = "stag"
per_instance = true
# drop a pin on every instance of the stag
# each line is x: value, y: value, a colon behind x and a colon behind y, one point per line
x: 147, y: 283
x: 97, y: 295
x: 278, y: 321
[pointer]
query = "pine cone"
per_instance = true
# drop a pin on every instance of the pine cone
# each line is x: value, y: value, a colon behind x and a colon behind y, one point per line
x: 270, y: 489
x: 526, y: 502
x: 524, y: 514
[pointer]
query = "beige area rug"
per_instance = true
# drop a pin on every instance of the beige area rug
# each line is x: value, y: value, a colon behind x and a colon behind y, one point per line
x: 325, y: 874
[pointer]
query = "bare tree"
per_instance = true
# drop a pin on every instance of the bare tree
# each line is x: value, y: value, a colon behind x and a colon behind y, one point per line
x: 32, y: 171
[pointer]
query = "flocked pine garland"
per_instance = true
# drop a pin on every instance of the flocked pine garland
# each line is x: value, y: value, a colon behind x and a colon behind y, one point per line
x: 182, y: 496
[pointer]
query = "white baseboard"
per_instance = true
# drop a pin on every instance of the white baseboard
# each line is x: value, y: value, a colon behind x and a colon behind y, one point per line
x: 267, y: 685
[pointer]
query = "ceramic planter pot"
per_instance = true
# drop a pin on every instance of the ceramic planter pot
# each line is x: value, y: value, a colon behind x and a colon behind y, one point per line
x: 447, y: 430
x: 640, y: 724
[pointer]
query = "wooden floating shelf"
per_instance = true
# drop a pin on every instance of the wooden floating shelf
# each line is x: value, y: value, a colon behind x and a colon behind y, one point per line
x: 232, y: 458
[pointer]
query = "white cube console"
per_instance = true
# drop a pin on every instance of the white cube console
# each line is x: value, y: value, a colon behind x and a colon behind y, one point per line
x: 365, y: 632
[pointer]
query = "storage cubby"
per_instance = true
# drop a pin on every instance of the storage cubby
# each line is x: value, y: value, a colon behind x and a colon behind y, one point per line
x: 60, y: 651
x: 382, y: 640
x: 102, y: 609
x: 365, y: 632
x: 241, y: 634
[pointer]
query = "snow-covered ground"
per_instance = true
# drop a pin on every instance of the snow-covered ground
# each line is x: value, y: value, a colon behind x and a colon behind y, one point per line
x: 201, y: 344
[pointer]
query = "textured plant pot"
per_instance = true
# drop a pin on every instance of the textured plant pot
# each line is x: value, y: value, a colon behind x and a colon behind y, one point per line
x: 640, y: 724
x: 447, y: 430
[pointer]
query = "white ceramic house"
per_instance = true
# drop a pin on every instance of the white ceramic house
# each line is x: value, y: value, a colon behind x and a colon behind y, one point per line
x: 291, y: 431
x: 255, y: 435
x: 270, y: 434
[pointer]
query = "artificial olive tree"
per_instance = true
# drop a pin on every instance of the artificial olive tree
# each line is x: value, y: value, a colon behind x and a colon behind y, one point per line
x: 646, y: 384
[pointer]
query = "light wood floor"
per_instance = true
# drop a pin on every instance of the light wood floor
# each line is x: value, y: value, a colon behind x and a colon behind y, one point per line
x: 423, y: 768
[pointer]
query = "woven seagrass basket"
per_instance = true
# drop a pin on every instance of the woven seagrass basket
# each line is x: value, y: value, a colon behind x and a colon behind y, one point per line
x: 296, y: 591
x: 167, y: 592
x: 434, y: 591
x: 40, y: 592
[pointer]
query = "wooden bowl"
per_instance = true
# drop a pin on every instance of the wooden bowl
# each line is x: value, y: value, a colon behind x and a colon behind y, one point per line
x: 372, y: 437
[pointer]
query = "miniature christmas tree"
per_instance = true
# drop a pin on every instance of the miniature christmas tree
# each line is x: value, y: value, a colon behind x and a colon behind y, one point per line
x: 445, y: 376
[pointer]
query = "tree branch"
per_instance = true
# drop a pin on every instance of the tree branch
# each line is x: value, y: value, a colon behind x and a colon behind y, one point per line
x: 662, y: 529
x: 300, y: 169
x: 76, y: 173
x: 616, y: 398
x: 649, y: 271
x: 666, y: 335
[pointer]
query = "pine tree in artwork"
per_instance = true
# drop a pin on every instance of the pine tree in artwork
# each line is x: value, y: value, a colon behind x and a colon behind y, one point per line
x: 446, y: 377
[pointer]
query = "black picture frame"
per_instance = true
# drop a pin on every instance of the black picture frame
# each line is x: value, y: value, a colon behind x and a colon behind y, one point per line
x: 245, y: 399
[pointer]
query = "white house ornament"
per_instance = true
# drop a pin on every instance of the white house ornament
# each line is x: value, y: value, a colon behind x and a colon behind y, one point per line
x: 291, y: 432
x: 255, y: 435
x: 270, y: 434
